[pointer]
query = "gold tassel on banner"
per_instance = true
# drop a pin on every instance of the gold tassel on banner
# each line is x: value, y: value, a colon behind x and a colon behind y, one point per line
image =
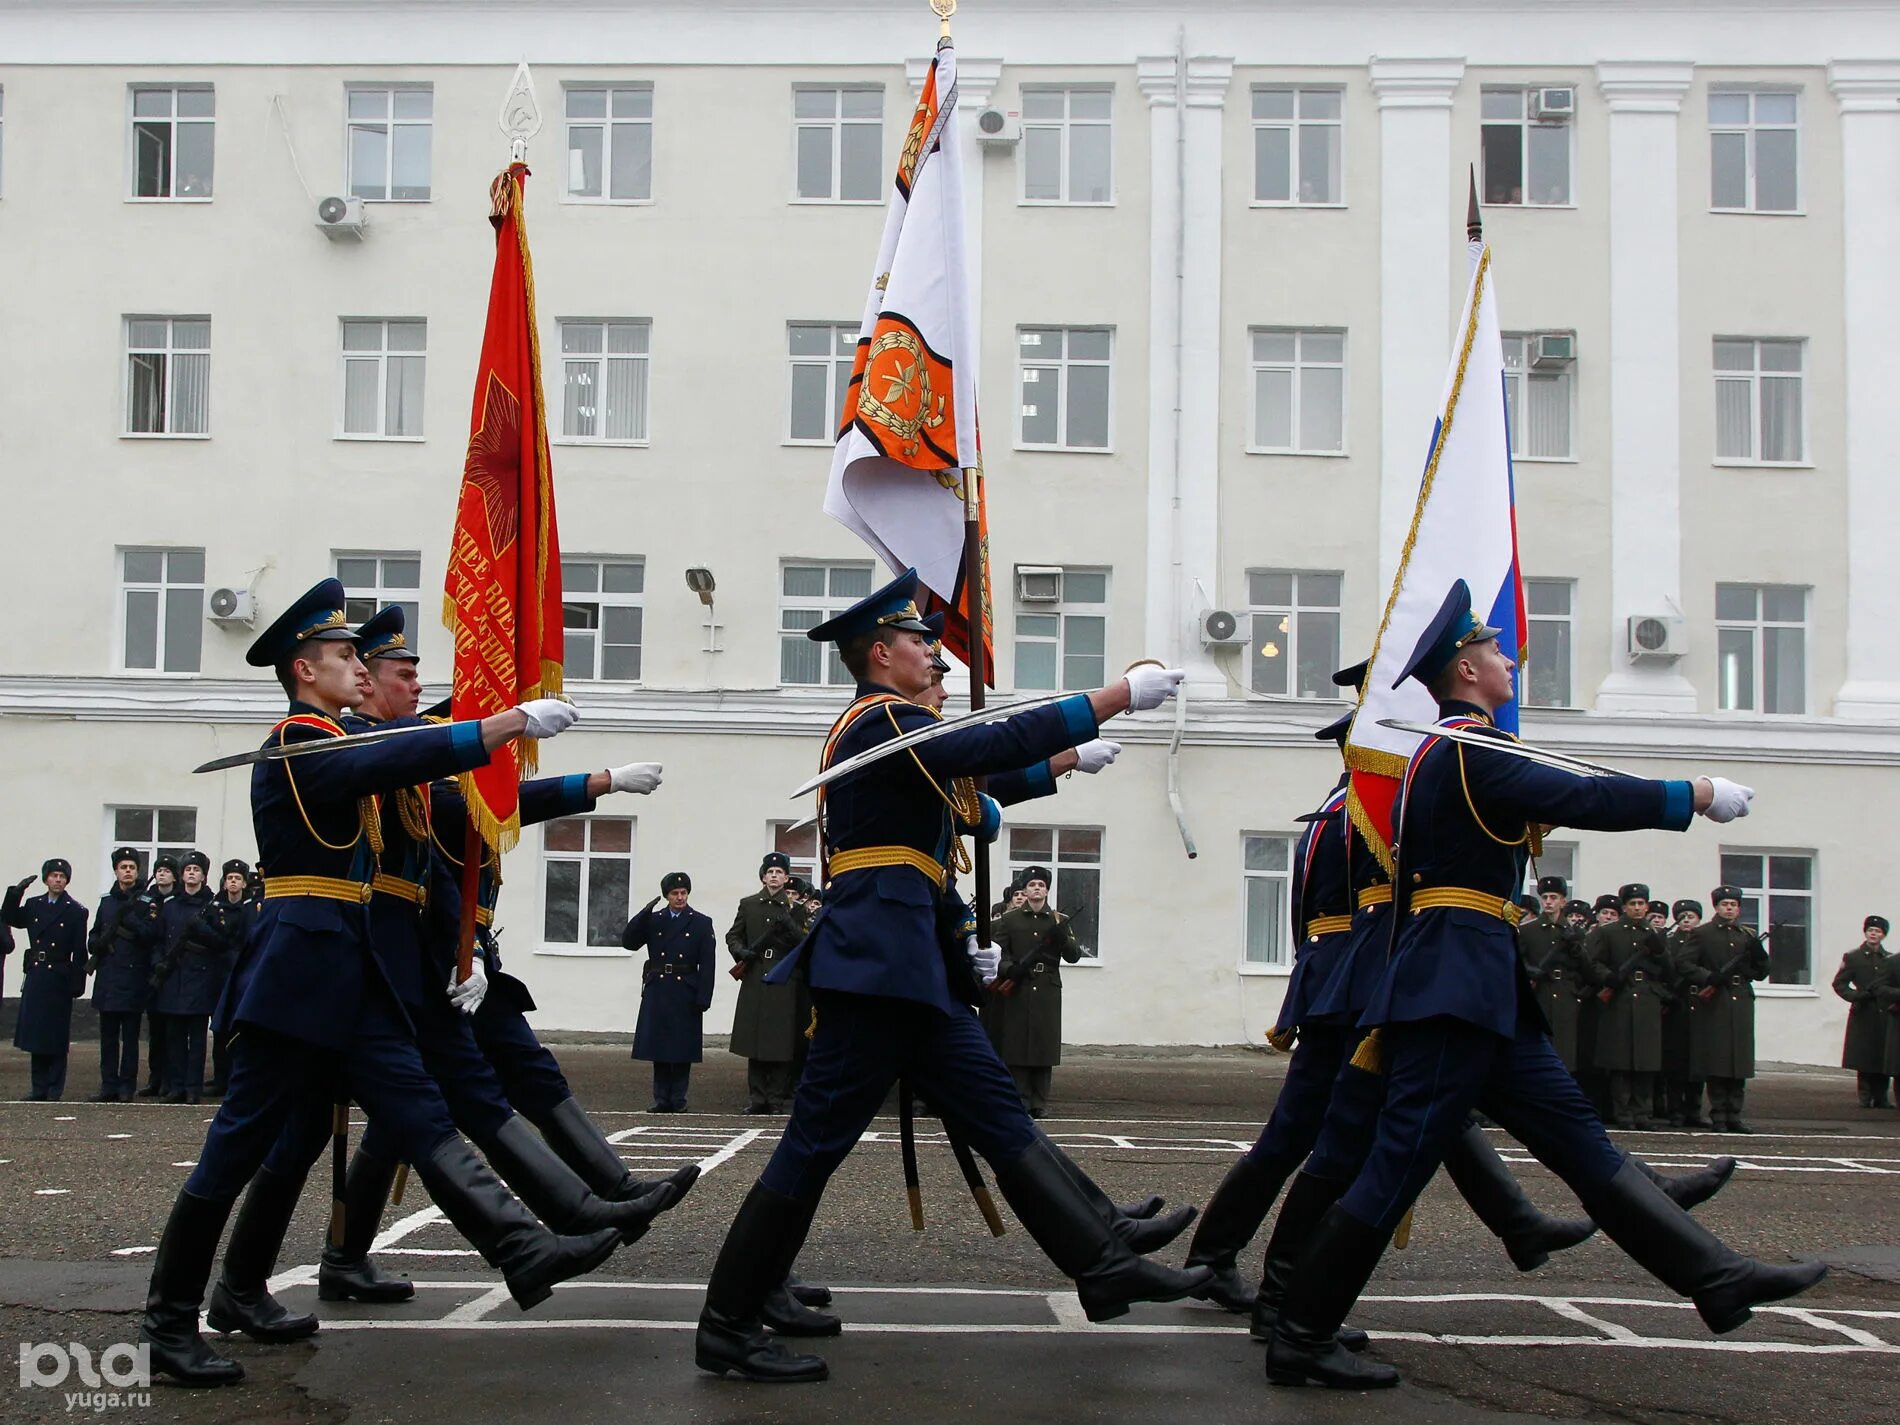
x: 1370, y: 1055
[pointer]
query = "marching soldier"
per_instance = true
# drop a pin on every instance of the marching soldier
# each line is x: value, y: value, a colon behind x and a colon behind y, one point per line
x: 1858, y: 982
x: 767, y: 1024
x: 150, y: 929
x: 1034, y: 941
x: 120, y: 962
x: 53, y: 974
x: 676, y: 988
x: 1682, y: 1091
x: 1630, y: 965
x: 188, y: 976
x: 1721, y: 961
x: 1558, y: 969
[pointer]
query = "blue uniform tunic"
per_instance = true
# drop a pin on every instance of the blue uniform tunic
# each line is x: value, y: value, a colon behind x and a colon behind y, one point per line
x: 119, y: 942
x: 54, y: 968
x: 676, y: 984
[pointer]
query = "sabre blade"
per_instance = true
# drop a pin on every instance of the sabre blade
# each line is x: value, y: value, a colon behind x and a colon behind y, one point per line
x: 922, y: 735
x: 278, y: 752
x: 1510, y: 748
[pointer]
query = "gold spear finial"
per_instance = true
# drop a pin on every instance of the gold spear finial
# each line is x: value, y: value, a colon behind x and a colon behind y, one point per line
x: 944, y: 9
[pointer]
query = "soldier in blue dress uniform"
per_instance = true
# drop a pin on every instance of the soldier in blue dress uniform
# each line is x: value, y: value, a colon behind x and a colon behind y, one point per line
x: 54, y: 974
x: 1458, y: 1027
x: 121, y: 963
x: 891, y: 1003
x: 312, y: 1013
x: 676, y: 988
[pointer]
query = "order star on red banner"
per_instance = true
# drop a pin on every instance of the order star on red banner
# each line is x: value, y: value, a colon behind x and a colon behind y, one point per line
x: 502, y: 600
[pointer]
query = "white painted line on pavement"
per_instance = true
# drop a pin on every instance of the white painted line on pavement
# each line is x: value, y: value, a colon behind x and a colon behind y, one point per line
x: 132, y: 1251
x: 1570, y: 1311
x: 472, y: 1311
x: 1815, y: 1319
x: 51, y: 1192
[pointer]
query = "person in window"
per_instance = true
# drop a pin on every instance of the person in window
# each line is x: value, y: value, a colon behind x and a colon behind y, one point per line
x: 54, y: 974
x: 1034, y: 940
x: 120, y: 961
x: 766, y: 1024
x: 1720, y: 963
x: 1858, y: 982
x: 676, y: 988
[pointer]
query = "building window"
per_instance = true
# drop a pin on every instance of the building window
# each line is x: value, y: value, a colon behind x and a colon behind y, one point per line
x: 153, y: 832
x: 1753, y: 152
x: 1073, y: 855
x: 1063, y: 374
x: 588, y: 891
x: 610, y: 143
x: 601, y: 604
x: 162, y: 592
x: 1538, y: 393
x: 1549, y: 604
x: 1761, y: 640
x: 1758, y: 401
x: 1778, y: 901
x: 173, y: 132
x: 821, y: 357
x: 840, y: 144
x: 382, y: 377
x: 1296, y: 145
x: 798, y: 840
x: 389, y: 142
x: 1266, y: 879
x: 168, y: 375
x: 808, y: 595
x: 1061, y: 628
x: 373, y: 579
x: 1294, y: 641
x: 1299, y: 392
x: 1526, y: 145
x: 1068, y: 145
x: 604, y: 381
x: 1558, y: 858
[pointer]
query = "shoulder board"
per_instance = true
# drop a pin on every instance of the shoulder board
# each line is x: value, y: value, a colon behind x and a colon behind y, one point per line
x: 313, y: 721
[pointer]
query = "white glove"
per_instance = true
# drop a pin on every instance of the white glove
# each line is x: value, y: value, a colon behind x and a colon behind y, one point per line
x: 549, y: 717
x: 1091, y: 757
x: 1731, y: 800
x: 1150, y: 687
x: 469, y: 994
x: 984, y: 962
x: 636, y: 777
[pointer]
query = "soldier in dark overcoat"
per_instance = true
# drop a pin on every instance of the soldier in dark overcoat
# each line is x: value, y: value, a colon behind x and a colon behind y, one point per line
x: 1858, y: 982
x: 120, y: 960
x: 1034, y: 940
x: 1722, y: 960
x: 151, y: 931
x: 54, y: 974
x: 1682, y: 1090
x: 1553, y: 958
x: 766, y: 1024
x: 676, y: 988
x: 188, y: 974
x: 1630, y: 966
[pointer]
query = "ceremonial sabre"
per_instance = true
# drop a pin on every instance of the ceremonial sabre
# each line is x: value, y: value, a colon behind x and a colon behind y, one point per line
x: 279, y: 751
x: 1561, y: 761
x: 925, y: 734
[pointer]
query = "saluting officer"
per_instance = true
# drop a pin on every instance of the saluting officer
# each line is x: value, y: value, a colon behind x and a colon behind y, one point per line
x: 766, y: 1024
x: 54, y: 974
x: 1033, y: 942
x: 1554, y: 960
x: 1630, y: 966
x: 1720, y: 962
x: 676, y: 988
x: 1858, y: 982
x: 121, y: 963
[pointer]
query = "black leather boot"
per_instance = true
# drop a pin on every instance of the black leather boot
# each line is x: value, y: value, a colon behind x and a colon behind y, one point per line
x: 555, y: 1193
x: 1498, y: 1199
x: 1306, y: 1202
x: 1148, y: 1206
x: 788, y: 1316
x: 810, y: 1293
x: 584, y: 1148
x: 1143, y: 1232
x: 1234, y: 1214
x: 1331, y: 1272
x: 179, y: 1274
x: 530, y: 1258
x: 757, y: 1255
x: 1685, y: 1256
x: 347, y: 1273
x: 1690, y: 1190
x: 1108, y: 1274
x: 241, y: 1301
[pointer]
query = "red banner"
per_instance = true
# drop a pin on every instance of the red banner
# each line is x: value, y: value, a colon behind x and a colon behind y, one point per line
x: 502, y: 602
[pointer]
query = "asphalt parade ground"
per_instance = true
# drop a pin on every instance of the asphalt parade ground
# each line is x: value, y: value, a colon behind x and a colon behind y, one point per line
x: 951, y: 1325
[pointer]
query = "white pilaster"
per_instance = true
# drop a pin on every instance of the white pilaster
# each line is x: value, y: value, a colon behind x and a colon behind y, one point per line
x: 1184, y: 232
x: 1869, y: 94
x: 1418, y: 232
x: 1645, y: 374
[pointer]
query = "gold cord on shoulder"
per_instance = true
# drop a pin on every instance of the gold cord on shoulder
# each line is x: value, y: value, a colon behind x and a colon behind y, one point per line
x: 1465, y: 783
x: 309, y: 825
x: 961, y: 798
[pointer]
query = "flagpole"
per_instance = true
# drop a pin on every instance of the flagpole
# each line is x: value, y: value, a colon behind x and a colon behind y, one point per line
x: 975, y: 595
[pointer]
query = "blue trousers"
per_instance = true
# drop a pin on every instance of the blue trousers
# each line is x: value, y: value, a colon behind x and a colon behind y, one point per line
x: 48, y: 1076
x: 529, y: 1074
x: 468, y: 1082
x: 862, y: 1045
x: 118, y: 1051
x: 1436, y: 1072
x: 669, y: 1084
x: 1300, y: 1110
x: 185, y: 1048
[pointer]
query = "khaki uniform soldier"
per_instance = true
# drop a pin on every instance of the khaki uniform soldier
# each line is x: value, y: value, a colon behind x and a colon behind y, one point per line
x: 1722, y: 960
x: 1682, y: 1090
x: 1034, y: 940
x: 1553, y: 958
x: 1631, y: 967
x: 1858, y: 982
x: 767, y: 1025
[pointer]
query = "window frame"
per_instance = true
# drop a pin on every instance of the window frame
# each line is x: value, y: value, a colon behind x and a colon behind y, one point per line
x: 1063, y: 610
x: 828, y: 604
x: 1299, y: 364
x: 1061, y: 365
x: 1294, y: 125
x: 390, y: 88
x: 849, y: 331
x: 172, y: 121
x: 1524, y: 124
x: 1268, y: 968
x: 580, y: 949
x: 1569, y: 619
x: 1758, y: 649
x: 644, y: 361
x: 1748, y: 130
x: 1535, y: 867
x: 382, y: 355
x: 171, y: 351
x: 122, y: 623
x: 149, y: 849
x: 1771, y: 988
x: 836, y: 124
x: 606, y: 124
x: 602, y: 600
x: 1068, y: 121
x: 1292, y: 610
x: 1753, y: 460
x: 1092, y: 955
x: 384, y: 593
x: 1522, y: 375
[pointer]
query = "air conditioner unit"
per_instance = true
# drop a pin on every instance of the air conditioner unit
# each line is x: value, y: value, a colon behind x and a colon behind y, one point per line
x: 232, y: 606
x: 1656, y: 636
x: 1221, y: 629
x: 1552, y: 351
x: 1553, y: 104
x: 1036, y: 584
x: 996, y: 128
x: 341, y: 219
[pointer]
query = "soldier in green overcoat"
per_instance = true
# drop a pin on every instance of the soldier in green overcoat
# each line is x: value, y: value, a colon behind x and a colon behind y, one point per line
x: 1034, y: 940
x: 1858, y: 982
x: 1552, y: 951
x: 1722, y: 960
x: 1682, y: 1089
x: 766, y: 1025
x: 1630, y: 966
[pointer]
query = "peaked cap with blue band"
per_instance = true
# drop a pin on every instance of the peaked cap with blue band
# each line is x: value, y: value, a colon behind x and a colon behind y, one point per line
x: 317, y: 615
x: 934, y: 623
x: 893, y: 606
x: 1336, y: 730
x: 1453, y: 627
x: 1353, y: 677
x: 382, y: 636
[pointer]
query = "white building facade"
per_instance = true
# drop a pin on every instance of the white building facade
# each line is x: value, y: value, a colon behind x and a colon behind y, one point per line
x: 1218, y: 250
